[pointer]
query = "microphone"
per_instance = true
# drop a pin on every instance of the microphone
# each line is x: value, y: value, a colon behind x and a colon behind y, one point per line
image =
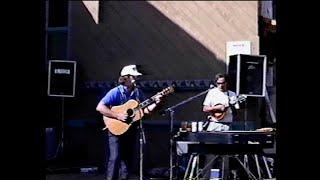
x: 133, y: 82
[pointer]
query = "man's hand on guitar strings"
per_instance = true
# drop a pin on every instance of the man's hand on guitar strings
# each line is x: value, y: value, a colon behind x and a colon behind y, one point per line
x: 122, y: 116
x: 221, y: 107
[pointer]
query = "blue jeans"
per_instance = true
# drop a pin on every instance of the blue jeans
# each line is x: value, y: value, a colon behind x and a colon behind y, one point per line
x: 122, y: 154
x: 116, y: 168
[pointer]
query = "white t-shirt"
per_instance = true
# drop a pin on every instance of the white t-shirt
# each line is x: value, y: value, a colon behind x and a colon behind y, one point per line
x: 215, y: 96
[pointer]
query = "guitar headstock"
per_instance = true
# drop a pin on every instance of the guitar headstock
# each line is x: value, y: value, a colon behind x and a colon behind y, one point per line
x: 166, y: 91
x: 239, y: 99
x: 242, y: 98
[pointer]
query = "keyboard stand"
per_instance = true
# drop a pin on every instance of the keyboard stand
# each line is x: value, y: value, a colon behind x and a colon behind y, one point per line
x: 193, y: 171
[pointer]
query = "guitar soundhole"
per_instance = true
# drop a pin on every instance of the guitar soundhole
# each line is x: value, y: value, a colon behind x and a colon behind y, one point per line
x: 130, y: 115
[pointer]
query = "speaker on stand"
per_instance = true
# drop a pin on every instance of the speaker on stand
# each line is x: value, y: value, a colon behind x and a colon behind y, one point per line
x: 248, y: 77
x: 61, y: 83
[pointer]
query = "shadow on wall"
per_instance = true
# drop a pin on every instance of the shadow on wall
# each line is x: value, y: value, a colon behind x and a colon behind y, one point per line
x: 136, y: 32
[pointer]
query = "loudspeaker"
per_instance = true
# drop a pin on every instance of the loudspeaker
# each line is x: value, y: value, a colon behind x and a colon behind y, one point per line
x: 62, y: 78
x: 248, y: 74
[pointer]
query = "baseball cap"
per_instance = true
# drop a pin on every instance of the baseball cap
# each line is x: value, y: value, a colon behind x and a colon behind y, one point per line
x: 130, y: 70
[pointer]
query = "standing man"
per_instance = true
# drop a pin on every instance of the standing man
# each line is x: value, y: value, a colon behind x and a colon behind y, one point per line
x: 221, y: 104
x: 120, y: 147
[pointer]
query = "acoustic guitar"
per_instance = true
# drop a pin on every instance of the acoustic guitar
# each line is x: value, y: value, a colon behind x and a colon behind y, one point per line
x: 219, y: 114
x: 134, y: 110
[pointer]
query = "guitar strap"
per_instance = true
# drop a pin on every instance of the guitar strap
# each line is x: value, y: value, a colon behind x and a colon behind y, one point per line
x: 136, y: 90
x: 123, y: 95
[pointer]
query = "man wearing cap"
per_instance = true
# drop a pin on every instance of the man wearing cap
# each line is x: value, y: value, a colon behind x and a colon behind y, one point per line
x: 118, y: 147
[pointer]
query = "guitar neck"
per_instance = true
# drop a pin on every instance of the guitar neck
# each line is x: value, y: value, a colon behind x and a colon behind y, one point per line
x: 145, y: 103
x: 151, y: 100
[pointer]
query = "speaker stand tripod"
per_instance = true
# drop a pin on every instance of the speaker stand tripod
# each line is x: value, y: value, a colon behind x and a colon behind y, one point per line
x: 60, y: 146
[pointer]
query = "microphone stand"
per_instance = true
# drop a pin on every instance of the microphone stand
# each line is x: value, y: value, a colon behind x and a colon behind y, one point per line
x: 142, y: 141
x: 142, y: 138
x: 171, y: 111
